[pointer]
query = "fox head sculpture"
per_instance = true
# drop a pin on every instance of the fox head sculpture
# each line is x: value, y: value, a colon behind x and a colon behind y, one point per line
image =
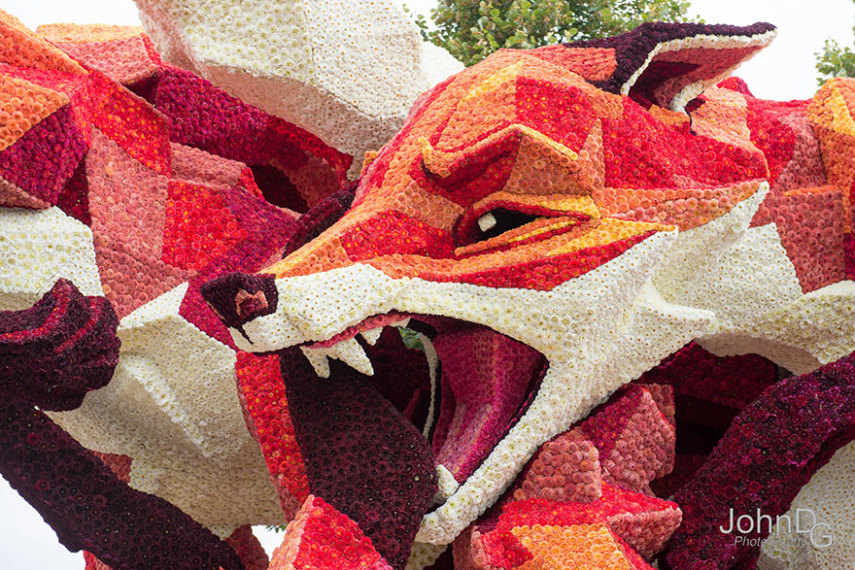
x: 550, y: 230
x: 516, y: 223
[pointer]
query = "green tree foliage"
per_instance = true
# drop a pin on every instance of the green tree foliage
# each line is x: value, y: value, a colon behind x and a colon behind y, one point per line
x: 473, y: 29
x: 835, y: 61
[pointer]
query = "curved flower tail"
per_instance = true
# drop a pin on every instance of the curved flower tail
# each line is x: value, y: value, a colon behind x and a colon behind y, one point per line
x: 51, y: 355
x: 55, y: 352
x: 90, y: 507
x: 771, y: 450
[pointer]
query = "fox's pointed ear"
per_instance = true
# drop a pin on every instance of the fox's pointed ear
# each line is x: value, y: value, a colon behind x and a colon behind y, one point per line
x: 662, y: 63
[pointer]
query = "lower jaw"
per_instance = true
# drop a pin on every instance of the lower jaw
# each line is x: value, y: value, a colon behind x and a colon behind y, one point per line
x: 366, y: 458
x: 360, y: 454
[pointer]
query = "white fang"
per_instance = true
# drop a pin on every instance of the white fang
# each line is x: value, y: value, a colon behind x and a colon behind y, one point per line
x: 351, y: 352
x: 318, y: 359
x: 446, y: 482
x: 371, y: 336
x: 348, y: 351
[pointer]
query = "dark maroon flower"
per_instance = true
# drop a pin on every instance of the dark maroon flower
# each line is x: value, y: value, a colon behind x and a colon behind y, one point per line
x: 770, y: 451
x: 52, y: 354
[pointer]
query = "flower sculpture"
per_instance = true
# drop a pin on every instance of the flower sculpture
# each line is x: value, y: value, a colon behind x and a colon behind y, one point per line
x: 559, y: 320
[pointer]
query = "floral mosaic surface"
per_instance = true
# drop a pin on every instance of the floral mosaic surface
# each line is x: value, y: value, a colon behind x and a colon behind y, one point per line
x: 578, y: 307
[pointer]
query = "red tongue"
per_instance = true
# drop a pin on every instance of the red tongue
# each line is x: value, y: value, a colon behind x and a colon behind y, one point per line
x: 486, y: 378
x: 361, y: 455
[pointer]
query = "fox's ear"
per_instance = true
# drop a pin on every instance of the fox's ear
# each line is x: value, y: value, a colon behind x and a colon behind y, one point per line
x: 662, y: 63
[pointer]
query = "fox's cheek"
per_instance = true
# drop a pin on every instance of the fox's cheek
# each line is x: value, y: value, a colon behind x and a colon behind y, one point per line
x: 505, y: 269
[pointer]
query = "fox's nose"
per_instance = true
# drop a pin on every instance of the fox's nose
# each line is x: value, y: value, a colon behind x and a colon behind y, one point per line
x: 237, y: 298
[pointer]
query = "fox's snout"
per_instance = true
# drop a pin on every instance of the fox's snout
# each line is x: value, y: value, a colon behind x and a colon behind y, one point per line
x: 237, y: 298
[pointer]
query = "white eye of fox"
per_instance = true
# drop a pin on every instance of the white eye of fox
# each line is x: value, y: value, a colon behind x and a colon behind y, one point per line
x: 487, y: 222
x: 498, y: 221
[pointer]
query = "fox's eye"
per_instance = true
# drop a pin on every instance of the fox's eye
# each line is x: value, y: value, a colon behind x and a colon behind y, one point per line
x: 498, y: 221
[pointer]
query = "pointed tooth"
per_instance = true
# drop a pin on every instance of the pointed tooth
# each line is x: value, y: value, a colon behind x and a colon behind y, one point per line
x: 371, y: 336
x: 402, y: 323
x: 350, y: 352
x: 318, y: 359
x: 447, y: 484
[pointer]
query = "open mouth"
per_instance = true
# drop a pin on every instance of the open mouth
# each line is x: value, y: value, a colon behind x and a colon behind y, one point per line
x: 389, y: 430
x: 415, y: 445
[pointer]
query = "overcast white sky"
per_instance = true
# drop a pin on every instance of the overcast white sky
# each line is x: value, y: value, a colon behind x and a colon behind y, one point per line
x: 783, y: 71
